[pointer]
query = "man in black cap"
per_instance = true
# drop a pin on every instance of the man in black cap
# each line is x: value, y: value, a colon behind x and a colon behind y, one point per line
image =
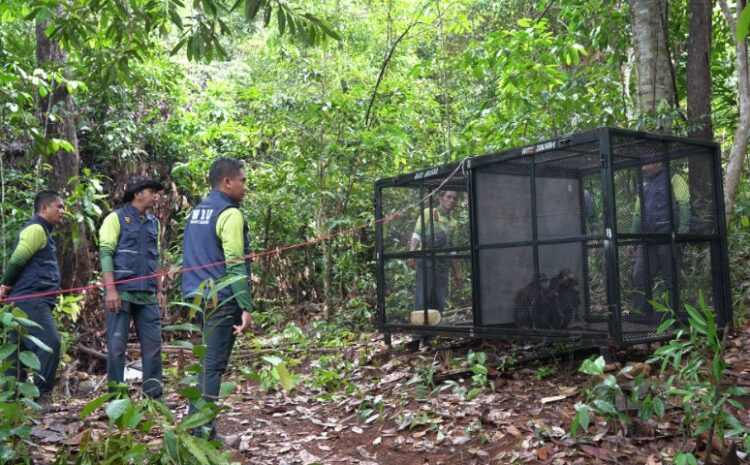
x: 129, y: 250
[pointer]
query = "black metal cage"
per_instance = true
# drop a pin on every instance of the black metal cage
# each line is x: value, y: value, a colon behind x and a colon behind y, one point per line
x: 569, y: 240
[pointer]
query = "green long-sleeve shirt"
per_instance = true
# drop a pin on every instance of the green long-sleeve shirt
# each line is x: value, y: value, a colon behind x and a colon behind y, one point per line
x: 230, y: 228
x: 109, y: 236
x: 31, y: 240
x: 681, y: 195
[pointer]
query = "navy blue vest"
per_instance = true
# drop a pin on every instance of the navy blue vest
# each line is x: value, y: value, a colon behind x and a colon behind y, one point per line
x: 137, y: 251
x: 656, y: 204
x: 41, y: 273
x: 202, y: 245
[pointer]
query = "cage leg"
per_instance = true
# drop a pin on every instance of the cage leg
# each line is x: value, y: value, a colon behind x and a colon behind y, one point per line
x: 607, y: 353
x: 387, y: 339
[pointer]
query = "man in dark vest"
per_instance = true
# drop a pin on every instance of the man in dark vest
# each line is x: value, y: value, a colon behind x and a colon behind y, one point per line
x: 216, y: 234
x: 654, y: 259
x: 129, y: 249
x: 33, y: 271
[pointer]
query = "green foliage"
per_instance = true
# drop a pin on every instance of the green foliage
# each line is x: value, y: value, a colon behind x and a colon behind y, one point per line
x: 17, y: 396
x: 743, y: 24
x: 371, y: 409
x: 478, y: 363
x: 695, y: 360
x: 606, y: 398
x: 130, y: 422
x: 693, y: 363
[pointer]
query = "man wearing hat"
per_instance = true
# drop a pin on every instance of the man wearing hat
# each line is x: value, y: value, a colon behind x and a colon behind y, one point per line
x: 129, y: 250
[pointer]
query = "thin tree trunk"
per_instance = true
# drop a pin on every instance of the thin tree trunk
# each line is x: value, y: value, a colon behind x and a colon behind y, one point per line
x: 738, y: 152
x: 75, y: 262
x: 654, y: 81
x: 699, y: 111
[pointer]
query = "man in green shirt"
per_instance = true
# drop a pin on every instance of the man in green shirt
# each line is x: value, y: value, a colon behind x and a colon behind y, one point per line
x: 216, y: 247
x: 129, y: 251
x: 654, y: 258
x: 439, y: 229
x: 32, y: 280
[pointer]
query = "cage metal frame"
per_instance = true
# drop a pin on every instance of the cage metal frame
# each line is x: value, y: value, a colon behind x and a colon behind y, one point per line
x: 610, y: 238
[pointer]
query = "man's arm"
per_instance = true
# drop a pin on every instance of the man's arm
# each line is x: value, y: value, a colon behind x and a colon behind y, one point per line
x: 682, y: 198
x: 109, y: 236
x: 230, y: 229
x: 457, y: 274
x: 416, y: 240
x: 160, y: 299
x: 30, y: 241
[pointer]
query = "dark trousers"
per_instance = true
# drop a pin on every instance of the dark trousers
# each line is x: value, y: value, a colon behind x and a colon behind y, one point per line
x: 431, y: 293
x: 218, y: 335
x: 652, y: 261
x: 40, y: 313
x: 148, y: 328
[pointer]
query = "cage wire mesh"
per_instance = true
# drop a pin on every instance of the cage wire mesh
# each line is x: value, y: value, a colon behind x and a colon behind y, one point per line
x: 570, y: 239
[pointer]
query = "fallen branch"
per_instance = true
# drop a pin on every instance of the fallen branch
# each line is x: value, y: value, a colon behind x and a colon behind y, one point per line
x: 90, y: 351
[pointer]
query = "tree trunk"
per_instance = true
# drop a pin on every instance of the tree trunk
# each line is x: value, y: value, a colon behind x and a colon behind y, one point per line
x: 738, y: 151
x: 75, y: 261
x: 652, y: 65
x: 699, y: 111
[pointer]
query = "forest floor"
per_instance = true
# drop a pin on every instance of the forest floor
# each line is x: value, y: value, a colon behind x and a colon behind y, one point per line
x: 419, y: 408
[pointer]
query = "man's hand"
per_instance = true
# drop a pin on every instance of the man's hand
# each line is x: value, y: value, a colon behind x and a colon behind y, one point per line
x: 161, y: 300
x: 247, y: 323
x: 112, y: 300
x: 4, y: 291
x: 459, y: 281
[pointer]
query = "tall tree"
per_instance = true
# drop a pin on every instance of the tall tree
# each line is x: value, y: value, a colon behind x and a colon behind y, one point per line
x: 57, y: 115
x: 652, y: 63
x: 738, y: 152
x: 700, y: 125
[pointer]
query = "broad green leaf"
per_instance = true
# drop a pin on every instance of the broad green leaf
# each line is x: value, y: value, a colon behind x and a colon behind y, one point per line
x: 30, y: 360
x: 6, y: 350
x: 191, y: 393
x: 581, y: 419
x: 287, y: 382
x: 199, y: 350
x: 593, y: 367
x: 743, y: 24
x: 227, y: 388
x: 94, y: 404
x: 29, y: 390
x: 116, y: 408
x: 38, y: 343
x: 199, y: 418
x: 272, y: 359
x: 605, y: 406
x: 473, y: 392
x: 182, y: 326
x: 194, y: 449
x: 170, y: 445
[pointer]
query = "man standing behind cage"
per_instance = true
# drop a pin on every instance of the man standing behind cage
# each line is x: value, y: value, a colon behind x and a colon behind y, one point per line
x: 129, y: 250
x: 216, y: 235
x: 440, y: 228
x: 33, y: 271
x: 655, y: 258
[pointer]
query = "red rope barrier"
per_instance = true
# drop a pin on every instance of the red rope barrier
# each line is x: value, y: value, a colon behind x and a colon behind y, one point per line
x: 276, y: 251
